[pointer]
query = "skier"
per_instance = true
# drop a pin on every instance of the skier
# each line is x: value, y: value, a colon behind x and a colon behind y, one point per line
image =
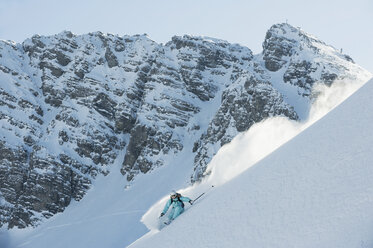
x: 176, y: 202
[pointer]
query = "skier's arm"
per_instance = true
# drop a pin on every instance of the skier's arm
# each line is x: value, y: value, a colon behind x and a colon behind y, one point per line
x: 185, y: 199
x: 168, y: 203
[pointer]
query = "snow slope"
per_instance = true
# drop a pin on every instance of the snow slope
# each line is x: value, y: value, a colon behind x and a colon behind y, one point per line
x: 314, y: 191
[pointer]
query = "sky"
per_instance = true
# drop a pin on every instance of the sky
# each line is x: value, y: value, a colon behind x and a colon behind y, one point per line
x: 344, y: 24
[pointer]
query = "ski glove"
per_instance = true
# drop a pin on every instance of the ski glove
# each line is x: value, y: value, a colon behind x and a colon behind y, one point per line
x: 161, y: 214
x: 191, y: 202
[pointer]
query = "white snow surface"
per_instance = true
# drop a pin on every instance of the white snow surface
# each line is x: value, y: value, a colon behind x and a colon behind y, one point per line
x: 314, y: 191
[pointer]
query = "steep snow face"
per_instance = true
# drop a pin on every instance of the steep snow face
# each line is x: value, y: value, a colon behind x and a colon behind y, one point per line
x: 314, y: 191
x: 261, y: 139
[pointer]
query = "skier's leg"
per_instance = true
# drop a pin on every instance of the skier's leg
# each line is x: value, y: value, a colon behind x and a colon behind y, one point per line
x: 171, y: 214
x: 177, y: 212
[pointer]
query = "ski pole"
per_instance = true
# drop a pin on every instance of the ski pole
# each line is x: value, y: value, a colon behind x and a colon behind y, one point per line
x: 202, y: 194
x: 198, y: 197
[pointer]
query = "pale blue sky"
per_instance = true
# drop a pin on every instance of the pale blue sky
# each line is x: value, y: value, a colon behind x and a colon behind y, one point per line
x: 343, y: 24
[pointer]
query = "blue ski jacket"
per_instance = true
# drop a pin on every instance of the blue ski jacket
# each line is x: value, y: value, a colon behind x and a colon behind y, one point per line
x: 175, y: 203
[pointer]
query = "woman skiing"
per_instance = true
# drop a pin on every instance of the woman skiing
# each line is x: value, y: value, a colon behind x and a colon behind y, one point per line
x: 176, y: 202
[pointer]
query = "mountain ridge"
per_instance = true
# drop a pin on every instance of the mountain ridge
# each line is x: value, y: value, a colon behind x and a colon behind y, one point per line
x: 71, y: 103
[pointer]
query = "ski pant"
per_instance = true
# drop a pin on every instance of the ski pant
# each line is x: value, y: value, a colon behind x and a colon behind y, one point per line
x: 175, y: 212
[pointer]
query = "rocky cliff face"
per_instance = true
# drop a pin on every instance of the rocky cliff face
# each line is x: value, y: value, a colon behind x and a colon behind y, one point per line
x: 69, y: 105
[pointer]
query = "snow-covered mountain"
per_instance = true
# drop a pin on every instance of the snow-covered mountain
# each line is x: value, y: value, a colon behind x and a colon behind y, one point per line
x: 314, y: 191
x: 77, y: 110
